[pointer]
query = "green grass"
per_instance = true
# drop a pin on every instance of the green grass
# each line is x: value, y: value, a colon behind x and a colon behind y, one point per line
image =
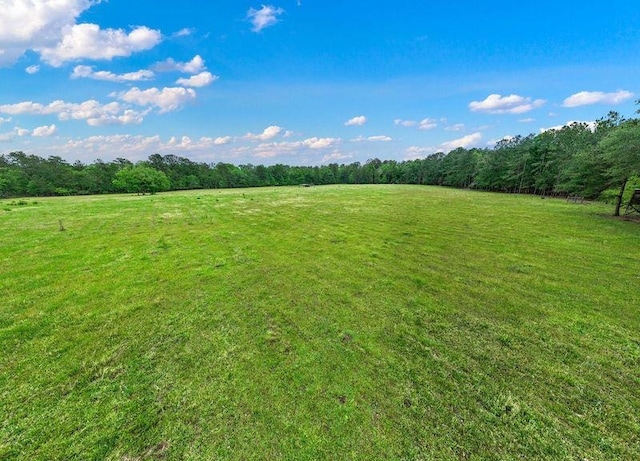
x: 342, y: 322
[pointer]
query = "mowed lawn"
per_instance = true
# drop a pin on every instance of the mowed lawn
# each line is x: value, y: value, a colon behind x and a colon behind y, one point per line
x: 335, y: 322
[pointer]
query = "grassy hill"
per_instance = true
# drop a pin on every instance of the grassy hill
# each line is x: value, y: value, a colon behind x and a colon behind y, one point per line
x: 337, y: 322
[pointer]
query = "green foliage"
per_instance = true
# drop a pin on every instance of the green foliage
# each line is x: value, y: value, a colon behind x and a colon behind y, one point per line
x: 337, y: 322
x: 141, y: 179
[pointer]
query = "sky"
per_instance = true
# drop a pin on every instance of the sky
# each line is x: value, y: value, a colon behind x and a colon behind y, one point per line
x: 305, y: 82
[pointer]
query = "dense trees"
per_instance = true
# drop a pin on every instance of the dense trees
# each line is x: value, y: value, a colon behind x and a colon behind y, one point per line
x: 141, y: 179
x: 592, y: 160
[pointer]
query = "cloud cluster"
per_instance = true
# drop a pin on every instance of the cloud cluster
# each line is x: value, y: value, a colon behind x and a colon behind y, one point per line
x: 89, y: 41
x: 49, y: 28
x: 166, y: 99
x: 92, y: 111
x: 512, y: 104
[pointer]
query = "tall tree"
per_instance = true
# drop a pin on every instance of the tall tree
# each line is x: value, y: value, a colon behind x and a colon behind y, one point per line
x: 621, y: 151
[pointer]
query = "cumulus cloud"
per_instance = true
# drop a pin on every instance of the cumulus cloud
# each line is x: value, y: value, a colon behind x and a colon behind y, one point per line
x: 320, y: 143
x: 266, y: 16
x: 466, y: 141
x: 32, y: 70
x: 268, y: 133
x: 166, y: 99
x: 198, y: 81
x: 89, y: 41
x: 33, y: 24
x: 512, y: 104
x: 356, y: 121
x: 585, y: 98
x: 44, y: 131
x: 195, y: 66
x: 88, y: 72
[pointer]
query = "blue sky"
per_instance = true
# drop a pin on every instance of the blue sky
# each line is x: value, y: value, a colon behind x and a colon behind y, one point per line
x: 305, y: 82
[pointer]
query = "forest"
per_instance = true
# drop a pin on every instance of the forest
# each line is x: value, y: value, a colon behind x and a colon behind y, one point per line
x: 599, y: 160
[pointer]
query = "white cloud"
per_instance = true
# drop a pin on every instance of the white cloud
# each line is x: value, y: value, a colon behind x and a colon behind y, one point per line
x: 416, y: 152
x: 195, y: 66
x: 425, y: 124
x: 275, y: 149
x: 89, y: 41
x: 221, y: 140
x: 184, y: 32
x: 331, y: 158
x: 266, y: 16
x: 512, y: 104
x: 32, y: 70
x: 585, y: 98
x: 527, y: 120
x: 268, y: 133
x: 466, y: 141
x: 372, y: 139
x: 589, y: 125
x: 10, y: 136
x: 44, y: 131
x: 88, y: 72
x: 167, y: 99
x: 405, y: 123
x: 198, y: 81
x: 4, y: 120
x: 356, y: 121
x: 320, y: 143
x: 33, y: 24
x: 456, y: 127
x: 94, y: 112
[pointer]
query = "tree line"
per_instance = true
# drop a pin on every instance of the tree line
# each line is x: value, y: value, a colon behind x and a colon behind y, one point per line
x: 599, y: 160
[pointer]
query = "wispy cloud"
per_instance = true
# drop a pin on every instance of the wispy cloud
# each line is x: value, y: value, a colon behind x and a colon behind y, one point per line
x: 266, y: 16
x: 424, y: 124
x: 88, y: 72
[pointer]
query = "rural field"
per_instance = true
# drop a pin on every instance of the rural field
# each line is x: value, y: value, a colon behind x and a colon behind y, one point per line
x: 333, y: 322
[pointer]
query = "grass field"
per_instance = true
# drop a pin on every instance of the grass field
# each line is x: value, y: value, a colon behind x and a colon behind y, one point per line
x: 337, y: 322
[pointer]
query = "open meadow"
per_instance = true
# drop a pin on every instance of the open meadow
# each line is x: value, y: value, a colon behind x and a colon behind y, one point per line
x: 333, y: 322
